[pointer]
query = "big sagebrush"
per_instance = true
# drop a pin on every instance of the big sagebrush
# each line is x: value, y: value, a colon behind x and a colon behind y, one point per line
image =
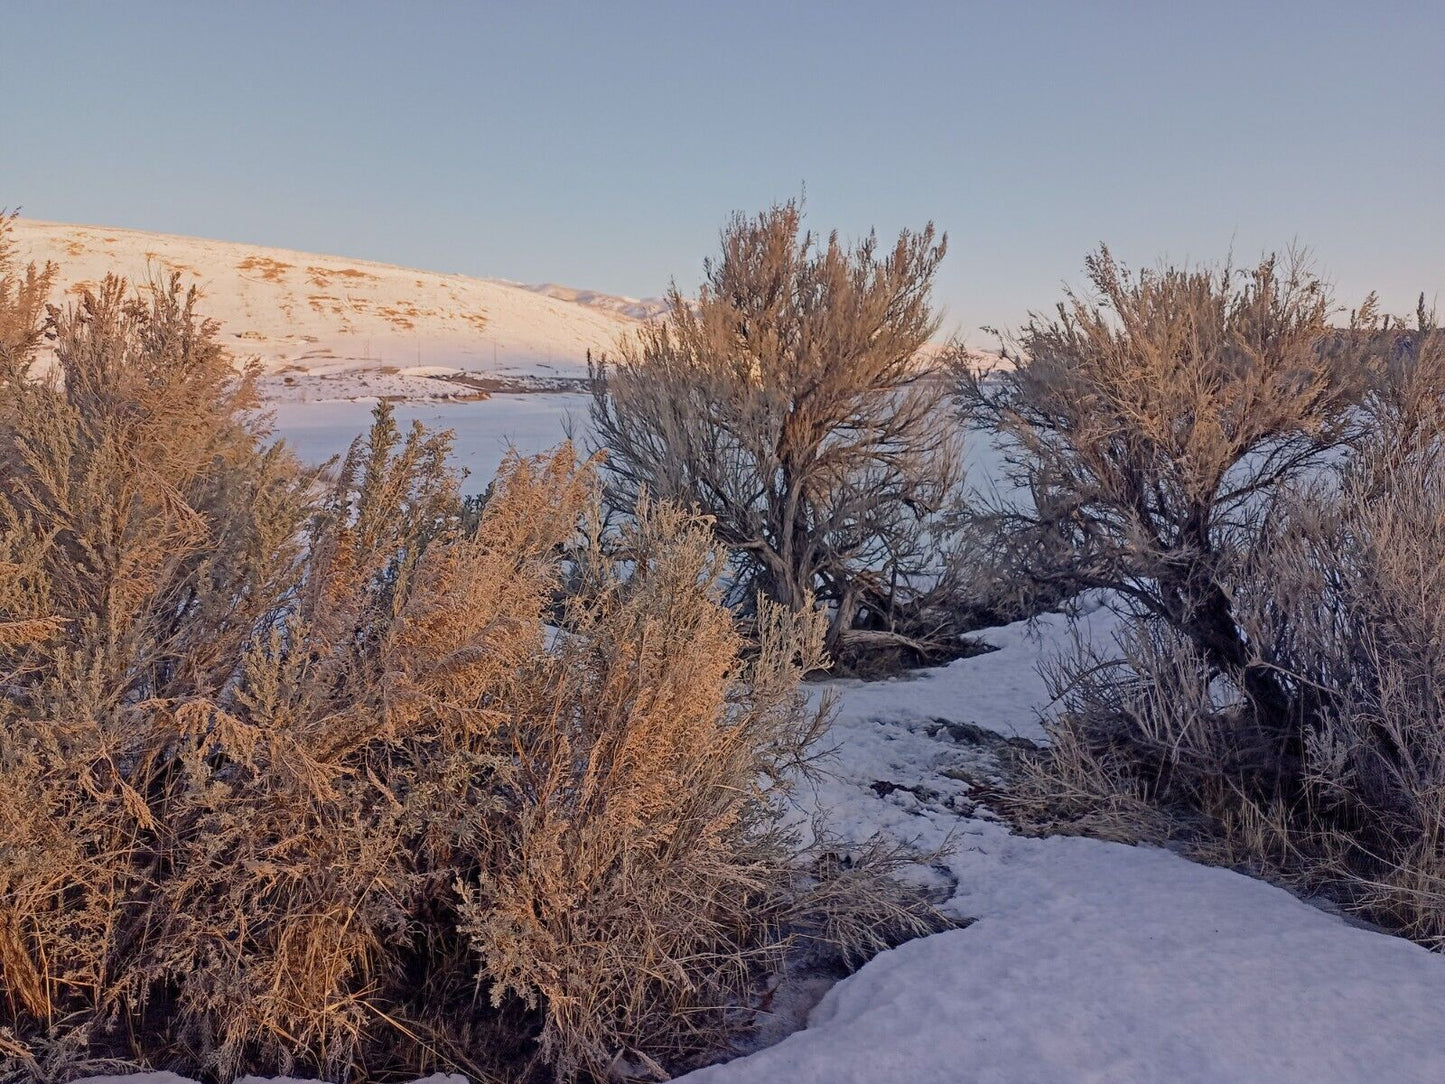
x: 794, y: 403
x: 1261, y: 490
x: 299, y: 775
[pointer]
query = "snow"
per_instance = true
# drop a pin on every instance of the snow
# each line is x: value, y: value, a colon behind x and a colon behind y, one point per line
x: 327, y: 327
x: 333, y: 327
x: 645, y: 308
x: 1097, y: 961
x: 1085, y: 960
x: 1002, y: 690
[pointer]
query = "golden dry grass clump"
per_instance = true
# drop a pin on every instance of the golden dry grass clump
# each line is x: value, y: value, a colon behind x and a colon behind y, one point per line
x: 335, y: 777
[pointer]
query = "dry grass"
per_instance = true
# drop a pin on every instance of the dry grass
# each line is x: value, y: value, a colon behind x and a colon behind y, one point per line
x: 269, y: 269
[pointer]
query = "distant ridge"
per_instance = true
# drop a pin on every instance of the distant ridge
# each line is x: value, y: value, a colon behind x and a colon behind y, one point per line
x: 646, y: 308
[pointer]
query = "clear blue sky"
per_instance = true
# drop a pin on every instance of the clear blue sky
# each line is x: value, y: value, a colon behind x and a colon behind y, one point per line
x: 603, y: 144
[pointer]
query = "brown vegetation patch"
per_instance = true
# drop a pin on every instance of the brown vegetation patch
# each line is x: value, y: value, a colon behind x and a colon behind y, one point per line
x: 326, y: 303
x: 322, y: 276
x: 270, y: 270
x: 403, y: 314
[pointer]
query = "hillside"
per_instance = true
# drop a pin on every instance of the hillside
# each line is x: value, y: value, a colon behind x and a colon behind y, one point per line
x: 330, y: 327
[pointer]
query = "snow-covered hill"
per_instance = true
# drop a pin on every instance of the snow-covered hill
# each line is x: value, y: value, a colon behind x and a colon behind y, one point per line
x: 330, y: 327
x: 645, y: 308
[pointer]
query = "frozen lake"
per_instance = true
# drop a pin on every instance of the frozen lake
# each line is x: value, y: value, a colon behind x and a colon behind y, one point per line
x: 484, y: 430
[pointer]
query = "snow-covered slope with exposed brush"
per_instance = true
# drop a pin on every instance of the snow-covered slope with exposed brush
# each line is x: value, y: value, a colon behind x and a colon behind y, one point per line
x: 334, y: 327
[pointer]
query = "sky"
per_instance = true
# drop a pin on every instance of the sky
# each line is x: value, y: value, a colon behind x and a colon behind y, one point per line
x: 603, y: 145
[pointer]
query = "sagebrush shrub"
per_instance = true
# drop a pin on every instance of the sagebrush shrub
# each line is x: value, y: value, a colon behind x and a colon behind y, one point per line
x: 145, y: 534
x: 299, y: 773
x: 1154, y: 421
x: 1348, y: 585
x: 792, y: 403
x: 1332, y: 577
x: 22, y: 302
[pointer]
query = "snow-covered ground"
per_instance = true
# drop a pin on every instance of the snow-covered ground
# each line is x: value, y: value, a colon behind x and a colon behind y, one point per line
x: 331, y: 327
x: 645, y: 308
x: 1083, y: 960
x: 1086, y: 960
